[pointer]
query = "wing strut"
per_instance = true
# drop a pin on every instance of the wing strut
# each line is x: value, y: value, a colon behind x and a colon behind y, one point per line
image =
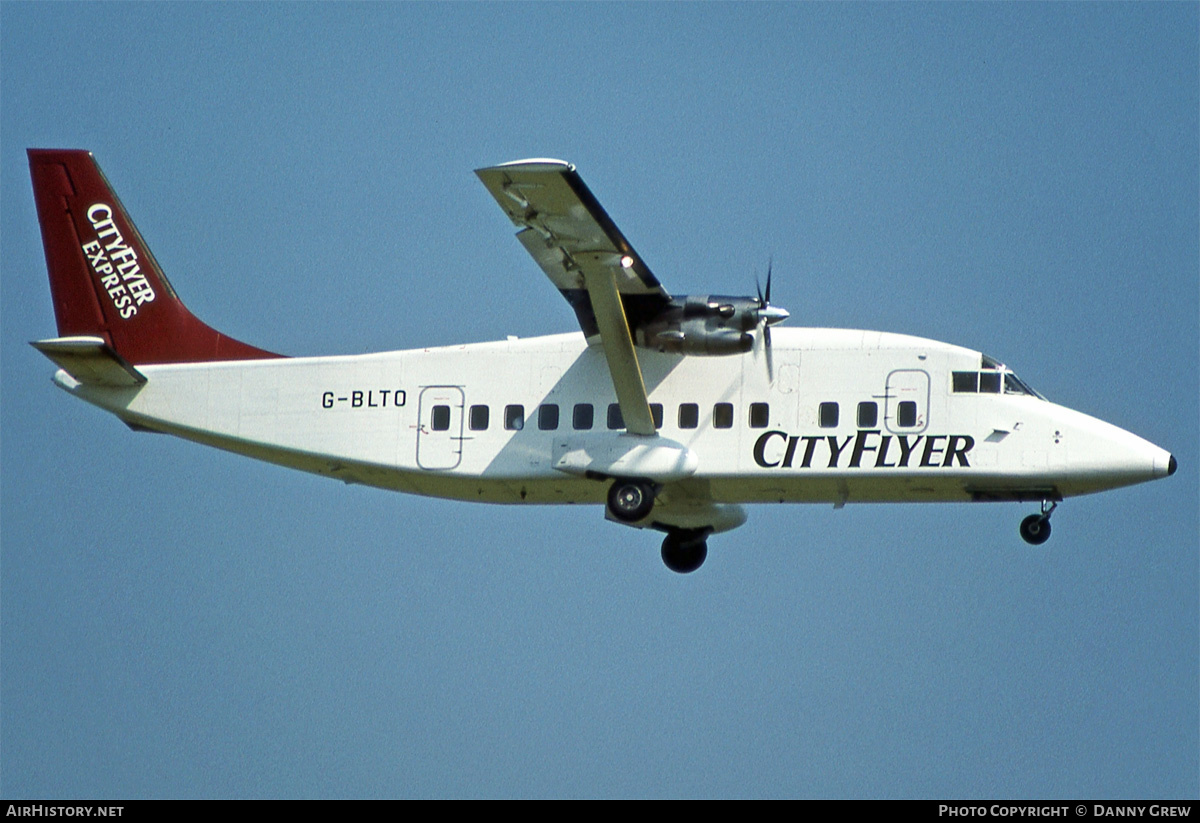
x: 618, y: 349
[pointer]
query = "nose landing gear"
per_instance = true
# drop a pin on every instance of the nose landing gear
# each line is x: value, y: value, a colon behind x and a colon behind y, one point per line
x: 1035, y: 529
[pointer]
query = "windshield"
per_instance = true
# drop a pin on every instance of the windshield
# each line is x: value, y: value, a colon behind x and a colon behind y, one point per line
x: 1012, y: 383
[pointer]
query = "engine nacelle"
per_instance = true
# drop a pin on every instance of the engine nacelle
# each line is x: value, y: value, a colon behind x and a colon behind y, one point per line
x: 702, y: 324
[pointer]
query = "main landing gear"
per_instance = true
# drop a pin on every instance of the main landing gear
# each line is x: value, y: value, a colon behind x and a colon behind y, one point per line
x: 684, y: 550
x: 630, y: 500
x: 1035, y: 529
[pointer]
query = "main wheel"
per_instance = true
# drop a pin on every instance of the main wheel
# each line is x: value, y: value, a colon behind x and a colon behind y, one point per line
x: 1035, y: 529
x: 630, y: 500
x: 684, y: 552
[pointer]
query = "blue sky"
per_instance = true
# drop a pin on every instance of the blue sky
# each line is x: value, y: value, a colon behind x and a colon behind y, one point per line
x: 1017, y: 178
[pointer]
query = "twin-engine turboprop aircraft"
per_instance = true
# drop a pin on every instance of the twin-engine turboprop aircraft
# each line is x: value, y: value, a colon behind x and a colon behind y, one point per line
x: 673, y: 412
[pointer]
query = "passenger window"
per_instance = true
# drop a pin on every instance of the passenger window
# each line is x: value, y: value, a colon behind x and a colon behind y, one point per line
x: 966, y: 381
x: 723, y: 416
x: 514, y: 418
x: 582, y: 417
x: 548, y: 417
x: 989, y: 381
x: 760, y: 415
x: 828, y: 415
x: 689, y: 415
x: 615, y: 420
x: 868, y: 415
x: 441, y: 418
x: 656, y: 411
x: 479, y: 418
x: 906, y: 414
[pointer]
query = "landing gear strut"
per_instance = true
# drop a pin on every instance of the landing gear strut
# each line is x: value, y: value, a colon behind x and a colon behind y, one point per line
x: 1035, y: 529
x: 630, y: 500
x: 684, y: 550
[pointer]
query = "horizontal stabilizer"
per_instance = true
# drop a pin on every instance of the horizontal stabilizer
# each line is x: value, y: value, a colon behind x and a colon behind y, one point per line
x: 90, y: 360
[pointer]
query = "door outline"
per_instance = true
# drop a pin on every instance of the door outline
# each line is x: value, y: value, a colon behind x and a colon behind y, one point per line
x: 902, y: 385
x: 440, y: 449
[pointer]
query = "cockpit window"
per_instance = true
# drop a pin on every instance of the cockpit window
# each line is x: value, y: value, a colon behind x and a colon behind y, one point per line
x: 1014, y: 385
x: 992, y: 378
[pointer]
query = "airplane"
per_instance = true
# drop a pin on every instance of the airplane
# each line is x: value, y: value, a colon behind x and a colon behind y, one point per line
x: 674, y: 412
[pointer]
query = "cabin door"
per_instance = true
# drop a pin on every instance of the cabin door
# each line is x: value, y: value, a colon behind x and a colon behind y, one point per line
x: 907, y: 401
x: 440, y: 434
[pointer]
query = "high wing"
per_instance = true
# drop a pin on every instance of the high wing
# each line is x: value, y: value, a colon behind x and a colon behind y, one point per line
x: 585, y: 255
x: 565, y: 229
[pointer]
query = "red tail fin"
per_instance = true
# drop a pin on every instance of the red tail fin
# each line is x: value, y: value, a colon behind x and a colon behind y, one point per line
x: 103, y: 278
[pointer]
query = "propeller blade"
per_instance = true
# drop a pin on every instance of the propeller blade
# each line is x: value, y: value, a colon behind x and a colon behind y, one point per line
x: 770, y: 359
x: 767, y: 315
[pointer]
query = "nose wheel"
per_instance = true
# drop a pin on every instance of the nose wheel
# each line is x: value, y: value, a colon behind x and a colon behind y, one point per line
x: 1035, y: 529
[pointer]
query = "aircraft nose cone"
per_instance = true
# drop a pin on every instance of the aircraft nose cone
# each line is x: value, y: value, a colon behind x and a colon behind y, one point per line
x: 1164, y: 464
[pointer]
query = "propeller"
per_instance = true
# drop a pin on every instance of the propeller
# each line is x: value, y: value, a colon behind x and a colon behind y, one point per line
x: 768, y: 316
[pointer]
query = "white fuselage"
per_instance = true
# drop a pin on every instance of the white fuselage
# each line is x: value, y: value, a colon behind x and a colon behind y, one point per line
x: 410, y: 421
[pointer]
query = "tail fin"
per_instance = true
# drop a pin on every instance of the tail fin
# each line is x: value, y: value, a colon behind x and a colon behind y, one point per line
x: 104, y: 280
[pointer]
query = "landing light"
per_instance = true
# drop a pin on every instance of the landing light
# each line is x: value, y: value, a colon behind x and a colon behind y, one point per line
x: 627, y: 262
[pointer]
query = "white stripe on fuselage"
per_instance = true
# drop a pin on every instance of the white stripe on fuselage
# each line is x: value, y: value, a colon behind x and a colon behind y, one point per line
x: 360, y: 419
